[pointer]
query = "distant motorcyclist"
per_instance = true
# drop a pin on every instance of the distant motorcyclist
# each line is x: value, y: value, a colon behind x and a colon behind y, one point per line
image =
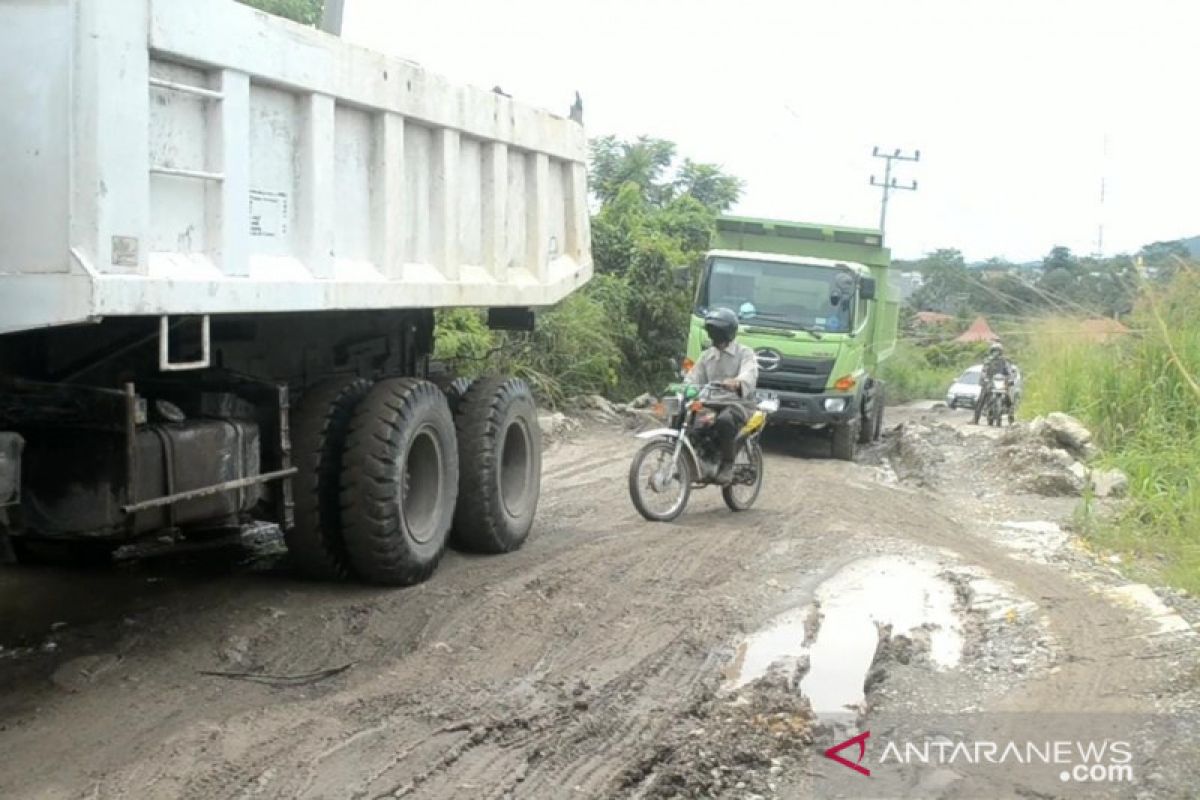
x: 995, y: 363
x: 733, y: 366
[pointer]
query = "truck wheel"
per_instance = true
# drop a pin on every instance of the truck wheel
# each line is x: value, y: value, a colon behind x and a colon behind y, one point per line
x: 866, y: 426
x: 455, y: 391
x: 399, y: 482
x: 500, y: 463
x: 69, y: 554
x: 877, y: 425
x: 319, y: 428
x: 845, y: 438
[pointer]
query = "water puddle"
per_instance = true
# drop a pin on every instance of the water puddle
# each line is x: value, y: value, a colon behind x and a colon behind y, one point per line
x: 910, y: 595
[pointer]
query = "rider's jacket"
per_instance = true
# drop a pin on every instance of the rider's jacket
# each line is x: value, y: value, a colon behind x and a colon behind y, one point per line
x: 997, y: 365
x: 734, y: 361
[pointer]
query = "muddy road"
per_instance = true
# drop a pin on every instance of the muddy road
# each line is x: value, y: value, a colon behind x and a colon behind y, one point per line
x: 913, y: 595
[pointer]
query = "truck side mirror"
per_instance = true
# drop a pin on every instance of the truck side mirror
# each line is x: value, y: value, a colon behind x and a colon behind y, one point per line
x: 866, y: 288
x: 683, y: 277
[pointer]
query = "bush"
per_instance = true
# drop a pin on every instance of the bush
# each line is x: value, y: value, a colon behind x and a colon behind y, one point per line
x: 1140, y: 395
x: 909, y: 375
x: 462, y: 338
x: 576, y: 348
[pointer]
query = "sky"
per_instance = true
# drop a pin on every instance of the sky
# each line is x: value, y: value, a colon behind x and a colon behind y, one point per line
x: 1020, y: 108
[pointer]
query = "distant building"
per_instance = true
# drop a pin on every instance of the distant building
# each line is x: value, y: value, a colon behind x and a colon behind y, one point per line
x: 932, y: 318
x: 1102, y: 330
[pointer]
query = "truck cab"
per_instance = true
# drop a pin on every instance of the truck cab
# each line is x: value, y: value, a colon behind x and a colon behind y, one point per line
x: 816, y: 306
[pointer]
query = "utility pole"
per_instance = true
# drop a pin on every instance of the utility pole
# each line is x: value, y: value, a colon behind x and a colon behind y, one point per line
x: 331, y: 17
x: 1103, y: 191
x: 888, y: 183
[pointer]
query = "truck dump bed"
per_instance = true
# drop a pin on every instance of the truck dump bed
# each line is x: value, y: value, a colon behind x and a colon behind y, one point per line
x: 163, y: 157
x: 837, y: 242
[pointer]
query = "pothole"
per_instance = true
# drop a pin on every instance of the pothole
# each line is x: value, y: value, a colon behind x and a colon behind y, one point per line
x: 830, y: 646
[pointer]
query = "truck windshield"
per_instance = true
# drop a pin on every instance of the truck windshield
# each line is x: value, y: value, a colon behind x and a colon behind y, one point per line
x: 772, y: 294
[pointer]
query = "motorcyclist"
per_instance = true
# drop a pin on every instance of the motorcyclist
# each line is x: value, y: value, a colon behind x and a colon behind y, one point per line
x: 995, y: 363
x: 733, y: 366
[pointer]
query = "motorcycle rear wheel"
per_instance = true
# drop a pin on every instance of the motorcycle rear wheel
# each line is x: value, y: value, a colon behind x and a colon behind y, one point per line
x: 656, y: 455
x: 740, y: 496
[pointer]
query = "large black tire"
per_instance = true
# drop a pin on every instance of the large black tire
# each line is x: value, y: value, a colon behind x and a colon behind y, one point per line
x: 845, y: 440
x: 877, y: 423
x: 741, y: 497
x: 500, y: 466
x: 318, y: 430
x: 399, y: 482
x: 455, y: 391
x: 41, y: 552
x: 866, y: 428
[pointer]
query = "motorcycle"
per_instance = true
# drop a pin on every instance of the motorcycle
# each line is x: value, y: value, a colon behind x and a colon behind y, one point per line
x: 686, y: 456
x: 999, y: 402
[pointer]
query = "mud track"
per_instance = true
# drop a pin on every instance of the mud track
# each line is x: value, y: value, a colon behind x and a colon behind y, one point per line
x: 589, y: 664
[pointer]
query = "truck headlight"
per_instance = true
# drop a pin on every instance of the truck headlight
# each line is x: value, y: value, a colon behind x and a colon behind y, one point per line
x: 835, y: 405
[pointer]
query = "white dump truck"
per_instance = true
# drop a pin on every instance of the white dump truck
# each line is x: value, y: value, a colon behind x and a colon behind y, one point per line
x: 223, y: 238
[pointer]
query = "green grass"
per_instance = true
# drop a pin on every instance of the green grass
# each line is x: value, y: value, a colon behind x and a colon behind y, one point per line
x: 1141, y: 398
x: 910, y: 376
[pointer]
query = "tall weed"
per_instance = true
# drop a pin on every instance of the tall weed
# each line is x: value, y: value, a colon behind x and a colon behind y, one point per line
x: 1139, y: 394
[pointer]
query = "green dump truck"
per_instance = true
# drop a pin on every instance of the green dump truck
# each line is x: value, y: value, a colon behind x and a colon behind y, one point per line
x: 818, y: 308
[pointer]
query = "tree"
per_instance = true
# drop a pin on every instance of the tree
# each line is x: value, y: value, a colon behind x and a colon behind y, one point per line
x: 1157, y: 254
x: 708, y: 185
x: 642, y: 162
x: 306, y: 12
x: 946, y: 281
x: 1165, y: 258
x: 1060, y: 258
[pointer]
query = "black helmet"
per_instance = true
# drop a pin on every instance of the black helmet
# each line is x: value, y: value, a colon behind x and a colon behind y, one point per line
x: 996, y: 349
x: 721, y: 324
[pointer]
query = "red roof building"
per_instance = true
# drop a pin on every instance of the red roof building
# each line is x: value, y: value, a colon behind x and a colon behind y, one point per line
x: 932, y: 318
x: 1102, y: 329
x: 979, y: 331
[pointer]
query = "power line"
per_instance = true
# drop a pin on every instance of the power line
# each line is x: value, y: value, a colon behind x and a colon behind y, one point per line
x: 889, y: 183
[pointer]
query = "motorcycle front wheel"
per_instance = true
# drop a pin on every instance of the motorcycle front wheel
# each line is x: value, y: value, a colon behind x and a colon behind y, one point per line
x: 659, y: 483
x: 740, y: 496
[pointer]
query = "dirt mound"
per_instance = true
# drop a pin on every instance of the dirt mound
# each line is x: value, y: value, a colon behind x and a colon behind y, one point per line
x: 738, y: 747
x: 916, y: 451
x: 1032, y: 467
x: 1049, y: 457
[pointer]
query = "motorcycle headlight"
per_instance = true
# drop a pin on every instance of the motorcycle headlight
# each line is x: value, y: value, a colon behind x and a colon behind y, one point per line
x: 671, y: 407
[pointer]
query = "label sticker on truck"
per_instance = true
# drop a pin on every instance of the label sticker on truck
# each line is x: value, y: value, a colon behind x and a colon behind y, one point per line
x: 124, y: 251
x: 268, y: 213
